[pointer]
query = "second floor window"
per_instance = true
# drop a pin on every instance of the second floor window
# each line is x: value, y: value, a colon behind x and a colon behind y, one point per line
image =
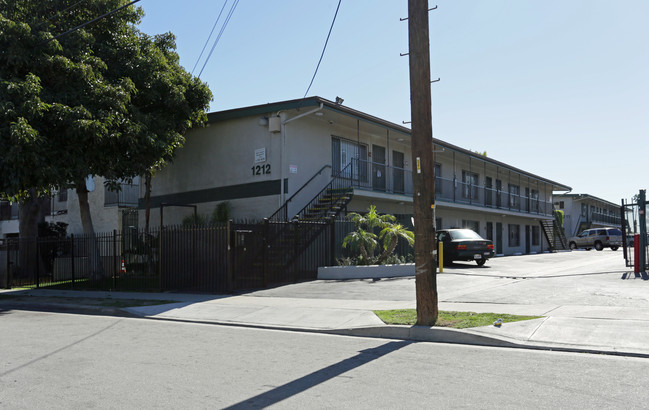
x: 514, y: 196
x: 344, y: 152
x: 469, y: 185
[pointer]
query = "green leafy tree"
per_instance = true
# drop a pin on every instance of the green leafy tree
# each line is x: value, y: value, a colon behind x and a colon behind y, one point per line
x: 104, y: 100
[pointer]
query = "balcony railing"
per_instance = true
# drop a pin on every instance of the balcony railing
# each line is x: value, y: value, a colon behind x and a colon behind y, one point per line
x: 126, y: 197
x: 383, y: 178
x: 606, y: 218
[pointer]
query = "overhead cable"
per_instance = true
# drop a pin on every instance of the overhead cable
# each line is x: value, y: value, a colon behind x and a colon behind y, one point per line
x: 323, y: 50
x: 91, y: 21
x: 210, y: 36
x: 225, y: 24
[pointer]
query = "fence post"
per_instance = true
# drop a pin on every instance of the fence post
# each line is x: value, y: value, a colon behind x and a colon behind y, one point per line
x: 332, y: 243
x: 160, y: 254
x: 72, y: 257
x: 228, y: 258
x: 8, y: 264
x: 296, y: 245
x: 38, y: 265
x: 265, y: 253
x: 115, y: 261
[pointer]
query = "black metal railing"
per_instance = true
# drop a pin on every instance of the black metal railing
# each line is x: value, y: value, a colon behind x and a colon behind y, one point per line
x: 127, y: 195
x: 380, y: 177
x: 385, y: 178
x: 282, y: 213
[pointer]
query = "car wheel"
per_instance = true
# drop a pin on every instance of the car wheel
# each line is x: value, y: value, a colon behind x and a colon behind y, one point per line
x: 599, y: 246
x: 481, y: 262
x: 614, y: 248
x: 573, y: 246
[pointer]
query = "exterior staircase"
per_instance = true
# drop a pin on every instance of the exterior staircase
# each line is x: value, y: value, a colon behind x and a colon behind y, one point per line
x: 554, y: 234
x: 286, y: 239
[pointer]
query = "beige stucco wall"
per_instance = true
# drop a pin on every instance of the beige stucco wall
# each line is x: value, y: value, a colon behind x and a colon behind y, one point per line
x: 104, y: 219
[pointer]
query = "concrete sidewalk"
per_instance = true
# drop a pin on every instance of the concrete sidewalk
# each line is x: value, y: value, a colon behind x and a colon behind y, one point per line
x: 592, y: 312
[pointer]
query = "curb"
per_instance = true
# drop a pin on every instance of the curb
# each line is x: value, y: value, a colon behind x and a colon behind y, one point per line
x: 66, y: 308
x: 411, y: 333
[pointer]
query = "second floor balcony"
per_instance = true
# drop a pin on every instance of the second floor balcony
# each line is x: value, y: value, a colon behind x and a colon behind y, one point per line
x: 395, y: 180
x: 127, y: 196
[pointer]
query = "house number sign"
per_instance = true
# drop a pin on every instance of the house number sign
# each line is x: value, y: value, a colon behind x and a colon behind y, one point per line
x: 263, y: 169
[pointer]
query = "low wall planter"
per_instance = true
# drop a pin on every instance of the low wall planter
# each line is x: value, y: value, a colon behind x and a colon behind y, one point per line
x: 366, y: 272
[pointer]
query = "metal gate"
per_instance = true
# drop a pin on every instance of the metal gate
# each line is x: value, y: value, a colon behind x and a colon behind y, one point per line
x: 634, y: 234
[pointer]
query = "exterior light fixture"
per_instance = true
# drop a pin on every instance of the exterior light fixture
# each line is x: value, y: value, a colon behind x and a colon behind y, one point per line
x: 339, y: 100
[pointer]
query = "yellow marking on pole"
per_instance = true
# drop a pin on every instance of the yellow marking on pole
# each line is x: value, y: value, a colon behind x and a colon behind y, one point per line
x: 440, y: 257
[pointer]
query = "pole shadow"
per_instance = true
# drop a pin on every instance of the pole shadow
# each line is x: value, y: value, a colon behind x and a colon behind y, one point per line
x: 320, y: 376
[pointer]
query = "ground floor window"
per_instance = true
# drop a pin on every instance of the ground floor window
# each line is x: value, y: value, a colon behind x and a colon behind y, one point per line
x: 514, y: 235
x: 473, y: 225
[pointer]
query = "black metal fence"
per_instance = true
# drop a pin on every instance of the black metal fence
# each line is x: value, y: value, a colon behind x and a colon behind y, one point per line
x: 213, y: 259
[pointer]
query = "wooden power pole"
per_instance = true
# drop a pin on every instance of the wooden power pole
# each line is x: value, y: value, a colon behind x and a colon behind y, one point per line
x: 423, y: 174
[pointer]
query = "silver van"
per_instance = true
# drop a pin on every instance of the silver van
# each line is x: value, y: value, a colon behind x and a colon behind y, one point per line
x: 598, y: 238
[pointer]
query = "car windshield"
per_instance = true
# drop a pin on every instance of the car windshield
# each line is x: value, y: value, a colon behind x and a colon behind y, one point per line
x: 464, y: 234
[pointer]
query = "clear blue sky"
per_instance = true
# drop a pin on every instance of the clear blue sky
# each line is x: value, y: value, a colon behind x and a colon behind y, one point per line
x: 557, y: 88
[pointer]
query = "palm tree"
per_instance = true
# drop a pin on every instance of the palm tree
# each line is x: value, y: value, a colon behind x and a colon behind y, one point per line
x: 390, y: 236
x: 365, y: 239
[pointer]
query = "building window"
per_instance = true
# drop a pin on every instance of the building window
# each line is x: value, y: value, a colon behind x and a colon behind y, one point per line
x: 63, y: 195
x: 535, y: 200
x: 514, y: 235
x: 438, y: 223
x: 473, y: 225
x: 514, y: 196
x: 469, y: 185
x: 344, y: 152
x: 584, y: 210
x: 438, y: 179
x: 561, y: 204
x: 536, y: 235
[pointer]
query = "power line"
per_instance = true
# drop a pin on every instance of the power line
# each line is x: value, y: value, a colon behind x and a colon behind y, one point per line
x: 58, y: 13
x: 323, y: 49
x: 225, y: 24
x: 91, y: 21
x: 210, y: 36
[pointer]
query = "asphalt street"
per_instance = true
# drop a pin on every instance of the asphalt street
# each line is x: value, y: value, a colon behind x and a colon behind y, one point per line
x: 66, y: 361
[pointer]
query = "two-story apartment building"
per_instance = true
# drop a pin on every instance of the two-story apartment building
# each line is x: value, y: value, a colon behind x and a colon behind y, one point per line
x: 259, y: 158
x: 109, y: 209
x: 584, y: 211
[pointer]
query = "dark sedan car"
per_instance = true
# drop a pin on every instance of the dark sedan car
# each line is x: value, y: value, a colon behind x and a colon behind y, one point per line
x: 465, y: 245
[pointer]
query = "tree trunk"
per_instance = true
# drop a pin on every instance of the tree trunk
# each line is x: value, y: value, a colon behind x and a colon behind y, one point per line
x: 32, y: 212
x: 97, y: 270
x: 388, y: 250
x: 423, y: 175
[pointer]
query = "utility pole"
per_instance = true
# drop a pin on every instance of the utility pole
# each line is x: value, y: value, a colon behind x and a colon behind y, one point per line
x: 423, y: 174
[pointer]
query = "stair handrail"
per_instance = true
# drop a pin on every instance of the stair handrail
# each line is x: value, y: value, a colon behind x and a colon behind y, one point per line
x: 284, y: 207
x: 336, y: 178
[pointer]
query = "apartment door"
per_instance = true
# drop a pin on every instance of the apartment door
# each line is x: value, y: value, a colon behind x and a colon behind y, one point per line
x: 378, y: 167
x: 397, y: 172
x: 488, y: 191
x: 499, y: 238
x: 528, y: 239
x: 490, y: 231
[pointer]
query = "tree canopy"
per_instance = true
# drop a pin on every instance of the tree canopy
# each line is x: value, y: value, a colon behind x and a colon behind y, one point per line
x: 104, y: 100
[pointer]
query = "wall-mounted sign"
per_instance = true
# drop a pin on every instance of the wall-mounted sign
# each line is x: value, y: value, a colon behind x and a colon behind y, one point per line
x: 292, y: 169
x: 260, y: 155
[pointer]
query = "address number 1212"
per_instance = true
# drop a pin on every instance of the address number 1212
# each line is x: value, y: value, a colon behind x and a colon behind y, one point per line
x: 261, y: 169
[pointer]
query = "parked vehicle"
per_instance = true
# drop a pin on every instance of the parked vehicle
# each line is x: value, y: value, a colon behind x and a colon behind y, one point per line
x: 465, y: 245
x: 598, y: 238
